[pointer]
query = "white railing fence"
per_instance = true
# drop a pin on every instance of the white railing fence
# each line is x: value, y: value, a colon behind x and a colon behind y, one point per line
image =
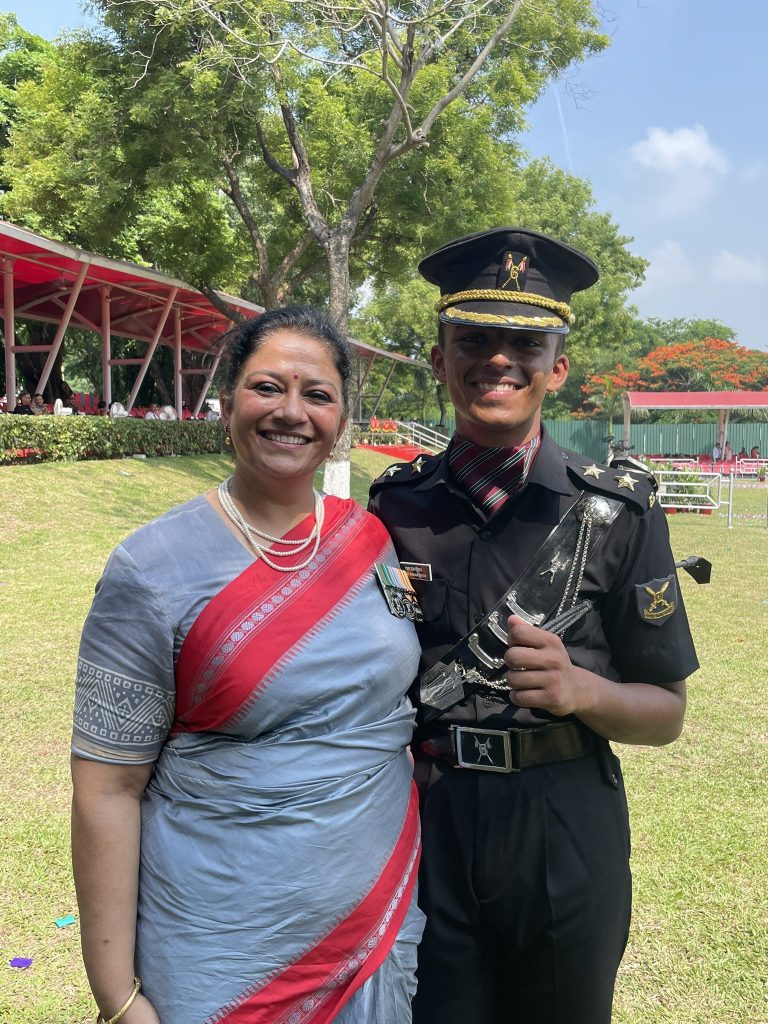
x: 707, y: 491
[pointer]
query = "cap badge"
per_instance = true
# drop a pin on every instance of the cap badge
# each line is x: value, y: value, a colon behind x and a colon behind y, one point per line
x: 512, y: 274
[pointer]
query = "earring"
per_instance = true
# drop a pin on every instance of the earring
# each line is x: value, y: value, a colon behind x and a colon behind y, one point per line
x: 331, y: 454
x: 227, y: 438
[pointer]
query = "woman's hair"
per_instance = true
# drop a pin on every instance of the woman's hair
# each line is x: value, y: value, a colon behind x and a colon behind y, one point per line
x: 248, y: 337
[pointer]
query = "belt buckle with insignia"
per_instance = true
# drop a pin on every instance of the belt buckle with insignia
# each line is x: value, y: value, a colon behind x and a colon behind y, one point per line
x: 398, y: 591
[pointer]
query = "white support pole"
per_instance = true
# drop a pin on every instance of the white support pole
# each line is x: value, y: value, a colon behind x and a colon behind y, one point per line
x: 106, y: 347
x: 383, y: 389
x: 63, y: 325
x: 207, y: 383
x: 151, y: 349
x: 355, y: 403
x: 721, y: 429
x: 178, y: 393
x: 9, y: 331
x: 626, y: 439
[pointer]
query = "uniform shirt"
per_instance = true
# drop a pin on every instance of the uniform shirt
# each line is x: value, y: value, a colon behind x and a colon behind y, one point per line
x: 474, y: 561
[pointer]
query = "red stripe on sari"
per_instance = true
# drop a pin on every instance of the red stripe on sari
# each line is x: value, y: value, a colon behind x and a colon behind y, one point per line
x: 250, y: 625
x: 313, y: 989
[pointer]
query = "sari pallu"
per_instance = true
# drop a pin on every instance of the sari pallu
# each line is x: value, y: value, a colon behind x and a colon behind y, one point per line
x: 280, y: 830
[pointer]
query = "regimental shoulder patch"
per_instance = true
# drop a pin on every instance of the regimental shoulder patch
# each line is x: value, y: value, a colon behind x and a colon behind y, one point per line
x: 657, y: 600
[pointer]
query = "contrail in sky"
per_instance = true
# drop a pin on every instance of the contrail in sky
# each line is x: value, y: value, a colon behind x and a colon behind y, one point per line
x: 567, y: 144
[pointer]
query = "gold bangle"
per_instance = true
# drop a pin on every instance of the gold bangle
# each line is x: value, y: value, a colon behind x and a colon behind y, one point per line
x: 124, y: 1008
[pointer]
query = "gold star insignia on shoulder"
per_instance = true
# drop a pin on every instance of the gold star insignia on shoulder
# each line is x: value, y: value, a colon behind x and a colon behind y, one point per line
x: 594, y: 470
x: 626, y: 481
x: 418, y: 465
x: 391, y: 471
x: 651, y: 499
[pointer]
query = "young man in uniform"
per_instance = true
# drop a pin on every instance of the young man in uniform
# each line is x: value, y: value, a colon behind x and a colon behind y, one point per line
x: 525, y: 880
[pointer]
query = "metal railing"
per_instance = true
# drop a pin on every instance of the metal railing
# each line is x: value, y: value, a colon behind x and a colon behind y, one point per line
x: 426, y: 437
x: 708, y: 491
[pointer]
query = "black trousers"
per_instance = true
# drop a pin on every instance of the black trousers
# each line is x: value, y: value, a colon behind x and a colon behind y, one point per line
x: 526, y: 886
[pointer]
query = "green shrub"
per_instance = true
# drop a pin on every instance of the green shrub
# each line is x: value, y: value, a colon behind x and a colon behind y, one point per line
x: 74, y: 438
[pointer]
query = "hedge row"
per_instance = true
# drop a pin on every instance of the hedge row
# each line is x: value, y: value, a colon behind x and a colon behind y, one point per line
x: 73, y: 438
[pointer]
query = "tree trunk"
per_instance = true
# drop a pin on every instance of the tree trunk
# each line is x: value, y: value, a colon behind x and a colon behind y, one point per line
x: 337, y: 476
x: 162, y: 387
x: 440, y: 390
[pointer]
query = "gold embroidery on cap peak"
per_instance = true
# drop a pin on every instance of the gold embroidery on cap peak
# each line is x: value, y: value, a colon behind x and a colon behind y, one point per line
x: 495, y: 318
x: 562, y: 309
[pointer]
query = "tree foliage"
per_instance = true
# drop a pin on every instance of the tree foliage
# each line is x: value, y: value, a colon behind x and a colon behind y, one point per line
x: 263, y: 145
x: 698, y: 364
x: 709, y: 364
x: 22, y: 58
x: 542, y: 197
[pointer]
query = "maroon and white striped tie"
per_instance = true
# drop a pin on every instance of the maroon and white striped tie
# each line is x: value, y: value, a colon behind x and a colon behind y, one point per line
x: 491, y: 475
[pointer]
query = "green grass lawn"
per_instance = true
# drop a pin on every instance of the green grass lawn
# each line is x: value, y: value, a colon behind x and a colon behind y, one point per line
x: 698, y: 949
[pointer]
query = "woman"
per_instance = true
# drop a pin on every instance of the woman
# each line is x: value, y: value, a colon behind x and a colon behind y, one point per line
x: 243, y: 807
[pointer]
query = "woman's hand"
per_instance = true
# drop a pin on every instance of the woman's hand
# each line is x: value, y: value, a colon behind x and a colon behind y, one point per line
x: 141, y: 1012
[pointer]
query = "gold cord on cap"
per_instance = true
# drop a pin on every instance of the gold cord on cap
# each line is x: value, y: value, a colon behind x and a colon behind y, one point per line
x: 562, y: 309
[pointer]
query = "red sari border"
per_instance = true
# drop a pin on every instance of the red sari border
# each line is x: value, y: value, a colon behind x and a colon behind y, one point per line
x: 314, y: 988
x: 244, y: 632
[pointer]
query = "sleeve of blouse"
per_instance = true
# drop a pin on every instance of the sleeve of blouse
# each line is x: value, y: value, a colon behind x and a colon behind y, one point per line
x: 125, y: 689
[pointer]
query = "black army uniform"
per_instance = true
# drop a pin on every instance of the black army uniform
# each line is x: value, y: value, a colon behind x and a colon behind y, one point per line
x: 525, y: 873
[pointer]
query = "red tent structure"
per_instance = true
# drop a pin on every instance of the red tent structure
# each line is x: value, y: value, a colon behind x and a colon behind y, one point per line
x: 48, y: 281
x: 720, y: 401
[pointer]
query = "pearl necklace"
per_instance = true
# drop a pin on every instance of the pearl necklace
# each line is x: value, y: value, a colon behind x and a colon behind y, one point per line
x: 251, y: 533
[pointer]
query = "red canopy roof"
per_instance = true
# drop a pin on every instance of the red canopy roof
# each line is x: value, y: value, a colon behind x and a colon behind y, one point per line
x: 44, y: 272
x: 696, y: 399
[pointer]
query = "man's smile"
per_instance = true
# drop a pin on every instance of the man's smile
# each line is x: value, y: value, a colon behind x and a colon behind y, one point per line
x: 488, y: 386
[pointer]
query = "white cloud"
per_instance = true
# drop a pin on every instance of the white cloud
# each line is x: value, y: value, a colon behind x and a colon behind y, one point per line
x: 733, y: 266
x: 669, y: 267
x: 679, y: 151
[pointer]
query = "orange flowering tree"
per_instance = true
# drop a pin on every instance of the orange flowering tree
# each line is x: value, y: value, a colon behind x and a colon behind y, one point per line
x: 603, y: 391
x: 709, y: 364
x: 703, y: 364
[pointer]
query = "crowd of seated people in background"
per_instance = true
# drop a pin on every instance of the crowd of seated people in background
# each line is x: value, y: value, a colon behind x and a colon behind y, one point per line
x: 85, y: 405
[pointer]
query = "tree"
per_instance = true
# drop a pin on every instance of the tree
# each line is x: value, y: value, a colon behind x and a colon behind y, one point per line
x: 542, y: 197
x: 709, y: 364
x: 22, y: 58
x: 402, y: 317
x: 680, y: 329
x: 604, y: 391
x: 300, y: 112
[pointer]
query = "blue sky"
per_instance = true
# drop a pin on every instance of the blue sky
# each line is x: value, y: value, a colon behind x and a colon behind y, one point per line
x: 668, y: 126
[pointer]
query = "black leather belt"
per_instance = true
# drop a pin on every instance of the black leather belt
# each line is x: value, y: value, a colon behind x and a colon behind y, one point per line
x: 509, y: 750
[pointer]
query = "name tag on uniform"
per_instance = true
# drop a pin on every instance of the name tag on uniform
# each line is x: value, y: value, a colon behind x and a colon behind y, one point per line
x: 417, y: 570
x: 399, y: 593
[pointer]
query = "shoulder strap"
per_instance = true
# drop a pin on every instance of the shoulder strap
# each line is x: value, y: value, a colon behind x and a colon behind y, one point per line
x: 544, y: 594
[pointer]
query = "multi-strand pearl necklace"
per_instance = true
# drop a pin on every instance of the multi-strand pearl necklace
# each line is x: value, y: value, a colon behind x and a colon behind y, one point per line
x: 251, y: 533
